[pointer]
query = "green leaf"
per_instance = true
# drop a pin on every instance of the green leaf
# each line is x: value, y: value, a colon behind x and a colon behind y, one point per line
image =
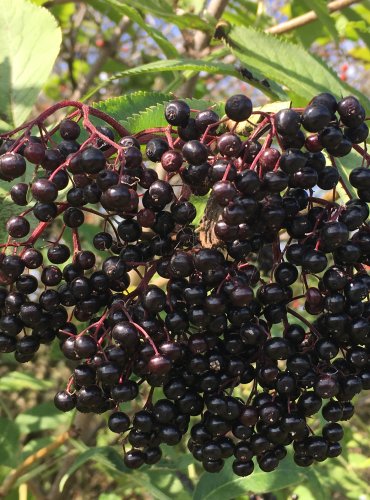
x: 345, y: 165
x: 308, y: 33
x: 154, y: 115
x: 323, y: 15
x: 160, y: 8
x: 227, y: 485
x: 168, y: 49
x: 304, y: 74
x: 184, y: 65
x: 164, y: 10
x: 112, y: 461
x: 105, y: 455
x: 115, y: 10
x: 107, y: 8
x: 357, y: 19
x: 9, y: 442
x: 42, y: 417
x: 29, y: 44
x: 200, y: 203
x: 18, y: 381
x: 121, y: 108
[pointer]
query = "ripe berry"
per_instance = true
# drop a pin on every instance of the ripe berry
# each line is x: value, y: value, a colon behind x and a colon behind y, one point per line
x: 316, y: 117
x: 195, y: 152
x: 12, y: 165
x: 18, y: 226
x: 177, y: 113
x: 69, y: 129
x: 238, y: 107
x: 205, y: 118
x: 351, y: 111
x: 287, y: 122
x: 64, y: 401
x: 155, y: 148
x: 44, y: 190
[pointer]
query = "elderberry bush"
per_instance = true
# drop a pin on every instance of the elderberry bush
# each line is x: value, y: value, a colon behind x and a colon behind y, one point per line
x: 263, y: 318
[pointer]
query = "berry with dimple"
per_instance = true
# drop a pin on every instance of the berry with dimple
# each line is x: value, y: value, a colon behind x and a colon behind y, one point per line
x: 316, y: 117
x: 238, y: 107
x: 229, y: 145
x: 12, y: 165
x: 155, y: 148
x: 177, y: 113
x: 18, y: 226
x: 195, y: 152
x: 69, y: 129
x: 287, y: 121
x: 351, y: 111
x: 206, y: 118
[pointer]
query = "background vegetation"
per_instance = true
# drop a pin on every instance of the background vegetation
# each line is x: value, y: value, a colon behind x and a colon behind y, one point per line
x: 135, y: 56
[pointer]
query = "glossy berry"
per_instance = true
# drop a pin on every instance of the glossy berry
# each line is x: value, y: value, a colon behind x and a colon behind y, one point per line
x: 177, y: 113
x: 238, y: 107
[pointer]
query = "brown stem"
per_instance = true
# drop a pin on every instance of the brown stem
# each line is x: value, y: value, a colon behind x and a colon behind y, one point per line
x: 200, y: 42
x: 362, y: 152
x: 304, y: 320
x: 109, y: 50
x: 70, y: 104
x: 308, y: 17
x: 29, y: 462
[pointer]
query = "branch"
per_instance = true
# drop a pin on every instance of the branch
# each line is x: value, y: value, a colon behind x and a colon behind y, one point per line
x: 308, y: 17
x: 29, y: 462
x: 215, y: 9
x: 107, y: 52
x: 201, y: 40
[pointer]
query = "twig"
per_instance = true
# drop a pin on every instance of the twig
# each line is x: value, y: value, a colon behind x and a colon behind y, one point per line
x: 30, y: 460
x: 201, y: 40
x: 308, y: 17
x: 107, y: 51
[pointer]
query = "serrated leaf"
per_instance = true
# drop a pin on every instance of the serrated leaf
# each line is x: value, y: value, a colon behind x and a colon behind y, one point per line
x: 121, y: 108
x: 18, y: 381
x: 213, y: 67
x: 304, y: 74
x: 227, y: 485
x: 27, y: 55
x: 154, y: 115
x: 9, y: 442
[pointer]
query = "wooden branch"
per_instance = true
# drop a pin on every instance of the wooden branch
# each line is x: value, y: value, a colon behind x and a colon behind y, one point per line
x: 201, y: 40
x: 107, y: 51
x: 215, y: 9
x: 29, y: 461
x: 308, y: 17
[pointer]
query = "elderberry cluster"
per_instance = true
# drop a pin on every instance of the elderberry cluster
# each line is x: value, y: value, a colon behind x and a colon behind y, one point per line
x: 252, y: 321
